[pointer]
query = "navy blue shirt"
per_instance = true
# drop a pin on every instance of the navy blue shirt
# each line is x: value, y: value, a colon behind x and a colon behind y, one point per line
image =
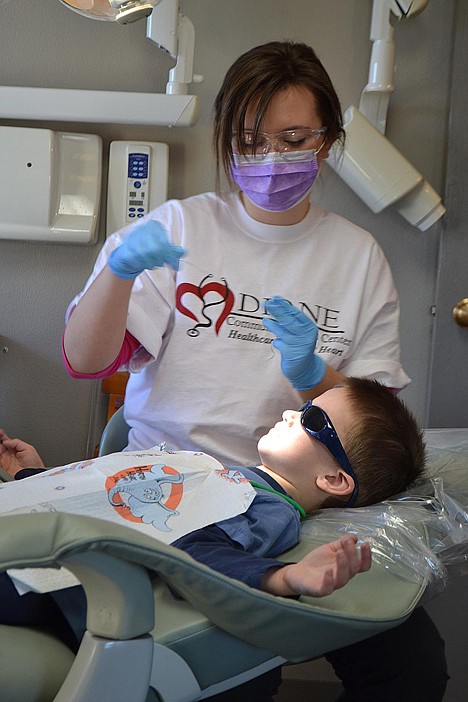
x: 243, y: 547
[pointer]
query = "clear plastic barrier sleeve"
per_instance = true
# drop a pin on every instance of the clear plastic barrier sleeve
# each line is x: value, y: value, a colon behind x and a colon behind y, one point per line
x: 420, y: 535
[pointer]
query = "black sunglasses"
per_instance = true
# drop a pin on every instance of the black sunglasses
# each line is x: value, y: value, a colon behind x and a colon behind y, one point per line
x: 316, y: 422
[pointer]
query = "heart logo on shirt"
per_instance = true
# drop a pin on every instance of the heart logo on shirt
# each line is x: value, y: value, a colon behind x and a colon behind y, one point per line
x: 206, y: 297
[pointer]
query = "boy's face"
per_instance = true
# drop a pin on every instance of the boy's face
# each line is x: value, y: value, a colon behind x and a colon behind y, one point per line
x: 292, y: 453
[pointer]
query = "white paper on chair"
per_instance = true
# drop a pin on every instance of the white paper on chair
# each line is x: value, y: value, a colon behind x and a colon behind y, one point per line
x: 161, y: 493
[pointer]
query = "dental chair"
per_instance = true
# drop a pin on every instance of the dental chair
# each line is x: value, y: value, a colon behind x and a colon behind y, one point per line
x: 145, y: 645
x: 115, y: 433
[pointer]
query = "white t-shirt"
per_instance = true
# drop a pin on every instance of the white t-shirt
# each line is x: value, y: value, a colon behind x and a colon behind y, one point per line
x: 207, y: 376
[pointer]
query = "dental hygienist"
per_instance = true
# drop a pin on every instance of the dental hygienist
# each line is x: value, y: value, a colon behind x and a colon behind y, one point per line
x: 178, y: 299
x: 190, y: 330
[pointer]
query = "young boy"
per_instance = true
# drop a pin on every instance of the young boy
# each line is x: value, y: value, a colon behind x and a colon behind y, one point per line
x: 305, y: 466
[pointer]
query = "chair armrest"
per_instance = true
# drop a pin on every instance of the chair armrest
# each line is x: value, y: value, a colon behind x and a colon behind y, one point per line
x: 117, y: 556
x: 118, y: 590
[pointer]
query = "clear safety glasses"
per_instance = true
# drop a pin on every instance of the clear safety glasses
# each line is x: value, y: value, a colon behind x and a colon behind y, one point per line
x: 316, y: 422
x: 288, y: 143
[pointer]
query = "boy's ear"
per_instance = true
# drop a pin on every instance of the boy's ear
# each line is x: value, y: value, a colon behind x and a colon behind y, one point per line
x: 335, y: 483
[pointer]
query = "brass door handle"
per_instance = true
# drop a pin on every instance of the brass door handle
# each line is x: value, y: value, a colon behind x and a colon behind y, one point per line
x: 460, y: 312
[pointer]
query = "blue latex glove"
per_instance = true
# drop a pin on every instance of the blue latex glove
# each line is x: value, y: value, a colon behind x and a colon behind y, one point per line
x: 144, y: 248
x: 296, y: 338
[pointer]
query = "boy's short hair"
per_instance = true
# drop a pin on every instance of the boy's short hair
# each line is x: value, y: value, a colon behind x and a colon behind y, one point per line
x: 384, y: 443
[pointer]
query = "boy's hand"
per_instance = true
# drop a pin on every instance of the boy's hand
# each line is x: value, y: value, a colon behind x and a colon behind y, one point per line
x: 322, y: 571
x: 296, y: 338
x: 16, y: 455
x: 144, y: 248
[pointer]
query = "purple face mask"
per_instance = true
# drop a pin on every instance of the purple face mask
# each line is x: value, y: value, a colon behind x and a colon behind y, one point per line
x: 273, y: 183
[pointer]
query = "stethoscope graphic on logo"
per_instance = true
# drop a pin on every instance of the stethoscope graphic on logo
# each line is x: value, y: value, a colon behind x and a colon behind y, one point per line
x: 200, y: 291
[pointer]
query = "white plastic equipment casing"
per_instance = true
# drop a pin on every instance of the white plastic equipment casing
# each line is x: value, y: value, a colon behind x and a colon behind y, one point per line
x: 50, y: 185
x: 98, y: 106
x: 381, y: 176
x: 154, y: 184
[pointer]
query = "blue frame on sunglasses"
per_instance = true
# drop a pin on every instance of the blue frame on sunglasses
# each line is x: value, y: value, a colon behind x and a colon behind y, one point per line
x: 327, y: 435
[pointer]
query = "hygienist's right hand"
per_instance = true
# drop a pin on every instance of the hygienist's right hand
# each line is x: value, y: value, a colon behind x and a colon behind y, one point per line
x: 145, y: 247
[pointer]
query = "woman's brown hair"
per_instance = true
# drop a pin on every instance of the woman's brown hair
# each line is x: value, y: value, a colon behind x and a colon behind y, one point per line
x: 259, y: 74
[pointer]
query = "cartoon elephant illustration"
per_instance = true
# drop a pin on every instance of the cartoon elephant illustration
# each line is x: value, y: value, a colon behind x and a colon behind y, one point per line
x: 145, y: 493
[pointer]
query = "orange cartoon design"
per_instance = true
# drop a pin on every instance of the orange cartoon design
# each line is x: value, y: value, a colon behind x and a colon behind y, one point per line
x: 232, y: 475
x: 138, y: 495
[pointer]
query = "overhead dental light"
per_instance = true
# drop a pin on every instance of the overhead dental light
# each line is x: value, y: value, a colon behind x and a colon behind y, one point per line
x: 121, y: 11
x: 167, y: 28
x: 369, y: 164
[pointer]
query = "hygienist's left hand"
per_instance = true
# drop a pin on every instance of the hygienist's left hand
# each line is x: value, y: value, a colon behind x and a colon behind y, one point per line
x: 296, y: 339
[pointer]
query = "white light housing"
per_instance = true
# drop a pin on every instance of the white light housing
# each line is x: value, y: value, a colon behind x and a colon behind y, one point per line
x: 122, y: 11
x: 171, y: 31
x: 369, y: 163
x: 381, y: 176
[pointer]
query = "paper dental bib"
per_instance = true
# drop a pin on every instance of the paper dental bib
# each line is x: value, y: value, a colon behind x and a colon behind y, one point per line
x: 165, y: 495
